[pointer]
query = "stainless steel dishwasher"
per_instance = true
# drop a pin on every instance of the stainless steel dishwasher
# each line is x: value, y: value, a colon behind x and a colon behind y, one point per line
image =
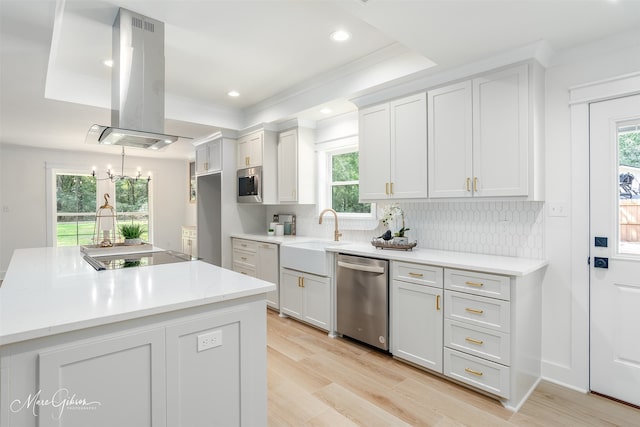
x: 362, y: 299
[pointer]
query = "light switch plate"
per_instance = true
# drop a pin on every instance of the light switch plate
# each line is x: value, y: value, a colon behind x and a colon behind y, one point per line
x: 558, y: 209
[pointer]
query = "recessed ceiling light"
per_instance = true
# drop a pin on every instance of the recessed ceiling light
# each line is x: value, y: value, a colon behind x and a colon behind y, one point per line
x: 233, y: 93
x: 340, y: 36
x: 326, y: 110
x: 108, y: 62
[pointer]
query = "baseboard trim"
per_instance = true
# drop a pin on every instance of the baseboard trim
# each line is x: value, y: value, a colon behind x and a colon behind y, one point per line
x: 565, y: 385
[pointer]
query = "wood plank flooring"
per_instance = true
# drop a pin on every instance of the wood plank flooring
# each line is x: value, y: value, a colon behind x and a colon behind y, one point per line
x: 314, y: 380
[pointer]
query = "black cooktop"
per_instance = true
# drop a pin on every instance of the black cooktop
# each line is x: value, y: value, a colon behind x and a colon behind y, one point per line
x: 114, y: 262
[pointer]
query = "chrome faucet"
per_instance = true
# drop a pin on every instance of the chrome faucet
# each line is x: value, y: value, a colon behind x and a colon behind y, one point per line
x: 336, y: 233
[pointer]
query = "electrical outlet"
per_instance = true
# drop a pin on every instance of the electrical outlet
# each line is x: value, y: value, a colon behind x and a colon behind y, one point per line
x: 209, y: 340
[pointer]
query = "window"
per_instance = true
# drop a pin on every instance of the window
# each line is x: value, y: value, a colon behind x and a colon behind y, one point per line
x: 343, y: 185
x: 629, y: 188
x: 75, y: 198
x: 75, y: 209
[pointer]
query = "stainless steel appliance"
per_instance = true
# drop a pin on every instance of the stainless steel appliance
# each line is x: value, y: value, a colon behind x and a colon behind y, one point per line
x: 362, y: 299
x: 250, y: 185
x: 141, y: 259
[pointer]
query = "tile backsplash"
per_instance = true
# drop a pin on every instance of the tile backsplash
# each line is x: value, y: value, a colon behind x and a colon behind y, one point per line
x: 508, y: 228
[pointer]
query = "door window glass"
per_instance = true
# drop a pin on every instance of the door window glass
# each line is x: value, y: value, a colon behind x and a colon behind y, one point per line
x: 629, y: 188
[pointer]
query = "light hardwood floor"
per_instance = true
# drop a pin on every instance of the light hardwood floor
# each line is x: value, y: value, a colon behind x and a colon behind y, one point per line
x: 314, y: 380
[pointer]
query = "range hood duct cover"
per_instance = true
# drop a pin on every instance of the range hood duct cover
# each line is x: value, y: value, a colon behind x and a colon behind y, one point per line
x: 137, y: 86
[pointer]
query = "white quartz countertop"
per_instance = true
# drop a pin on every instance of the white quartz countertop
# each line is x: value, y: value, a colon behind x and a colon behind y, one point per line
x: 53, y: 290
x: 510, y: 266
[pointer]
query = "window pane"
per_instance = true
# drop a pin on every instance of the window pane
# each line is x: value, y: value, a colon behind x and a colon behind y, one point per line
x: 344, y: 167
x: 629, y: 188
x: 132, y: 204
x: 344, y: 198
x: 75, y: 209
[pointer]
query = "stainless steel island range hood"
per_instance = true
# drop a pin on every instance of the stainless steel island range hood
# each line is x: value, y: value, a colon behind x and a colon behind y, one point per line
x: 137, y: 85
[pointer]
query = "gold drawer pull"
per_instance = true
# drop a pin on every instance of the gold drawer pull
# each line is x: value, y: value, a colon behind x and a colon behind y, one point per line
x: 474, y: 284
x: 243, y: 258
x: 386, y: 188
x: 471, y: 371
x: 416, y: 274
x: 475, y: 184
x: 474, y: 341
x: 468, y: 184
x: 438, y: 302
x: 474, y: 310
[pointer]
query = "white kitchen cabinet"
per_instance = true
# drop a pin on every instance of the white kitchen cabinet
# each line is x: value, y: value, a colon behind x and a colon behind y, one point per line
x: 189, y: 240
x: 393, y: 149
x: 417, y: 314
x: 296, y: 167
x: 258, y: 259
x: 306, y: 297
x: 481, y: 141
x: 208, y: 156
x: 250, y: 148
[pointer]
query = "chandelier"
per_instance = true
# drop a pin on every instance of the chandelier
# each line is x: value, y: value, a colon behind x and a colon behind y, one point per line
x: 113, y: 178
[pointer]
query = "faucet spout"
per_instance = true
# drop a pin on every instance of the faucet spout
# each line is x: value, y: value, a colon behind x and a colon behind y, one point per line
x: 336, y: 233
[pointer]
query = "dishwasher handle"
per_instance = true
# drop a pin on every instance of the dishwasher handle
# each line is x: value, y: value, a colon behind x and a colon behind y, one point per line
x: 360, y: 267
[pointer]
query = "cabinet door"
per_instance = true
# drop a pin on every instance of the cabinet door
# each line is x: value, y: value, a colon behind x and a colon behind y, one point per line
x: 288, y: 166
x: 125, y: 373
x: 215, y: 156
x: 202, y: 159
x: 500, y: 133
x: 255, y: 149
x: 267, y: 269
x: 450, y: 141
x: 374, y: 146
x: 408, y: 157
x: 417, y: 321
x: 291, y: 293
x: 316, y: 300
x: 242, y: 160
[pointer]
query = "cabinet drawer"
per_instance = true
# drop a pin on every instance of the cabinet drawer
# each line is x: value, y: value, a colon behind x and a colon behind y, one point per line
x: 481, y: 311
x: 244, y: 269
x: 417, y: 273
x: 488, y: 285
x: 481, y: 342
x: 245, y: 245
x: 246, y: 258
x: 480, y: 373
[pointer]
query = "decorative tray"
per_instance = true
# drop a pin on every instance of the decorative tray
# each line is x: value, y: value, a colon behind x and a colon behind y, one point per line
x: 118, y: 248
x: 389, y: 244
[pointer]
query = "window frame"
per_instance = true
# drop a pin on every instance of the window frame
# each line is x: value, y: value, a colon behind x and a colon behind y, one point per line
x: 102, y: 186
x: 327, y: 182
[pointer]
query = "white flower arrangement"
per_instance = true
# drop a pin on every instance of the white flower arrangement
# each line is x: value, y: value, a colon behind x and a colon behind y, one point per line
x: 389, y: 213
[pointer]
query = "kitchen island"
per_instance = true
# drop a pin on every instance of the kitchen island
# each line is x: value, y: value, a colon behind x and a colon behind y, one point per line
x: 163, y: 345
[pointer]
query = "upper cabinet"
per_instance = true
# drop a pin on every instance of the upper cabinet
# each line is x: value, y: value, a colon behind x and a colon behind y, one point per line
x: 250, y: 149
x: 209, y: 156
x: 296, y: 167
x: 393, y: 149
x: 482, y: 140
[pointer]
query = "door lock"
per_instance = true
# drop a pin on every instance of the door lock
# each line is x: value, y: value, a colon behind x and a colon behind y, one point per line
x: 599, y: 262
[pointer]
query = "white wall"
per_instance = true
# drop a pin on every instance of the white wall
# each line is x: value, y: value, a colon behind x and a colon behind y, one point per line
x: 23, y: 206
x: 565, y: 304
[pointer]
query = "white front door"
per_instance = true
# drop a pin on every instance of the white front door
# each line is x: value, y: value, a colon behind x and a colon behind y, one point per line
x: 615, y: 262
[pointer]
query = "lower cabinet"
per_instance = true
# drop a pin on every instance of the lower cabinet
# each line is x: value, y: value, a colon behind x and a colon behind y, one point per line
x: 161, y: 370
x: 416, y: 314
x: 306, y: 297
x: 258, y: 259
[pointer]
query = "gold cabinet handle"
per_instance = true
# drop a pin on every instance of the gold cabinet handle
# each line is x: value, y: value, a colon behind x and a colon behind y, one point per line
x: 475, y: 184
x: 242, y: 272
x: 438, y: 302
x: 474, y: 310
x: 468, y: 184
x: 471, y: 371
x: 391, y: 188
x: 416, y: 274
x: 299, y: 281
x: 243, y: 258
x: 386, y: 188
x: 302, y: 282
x: 474, y: 341
x: 476, y: 284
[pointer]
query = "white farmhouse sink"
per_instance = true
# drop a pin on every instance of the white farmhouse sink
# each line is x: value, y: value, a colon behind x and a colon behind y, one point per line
x: 310, y: 257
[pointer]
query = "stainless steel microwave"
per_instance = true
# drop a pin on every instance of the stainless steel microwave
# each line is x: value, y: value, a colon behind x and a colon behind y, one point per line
x: 250, y: 185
